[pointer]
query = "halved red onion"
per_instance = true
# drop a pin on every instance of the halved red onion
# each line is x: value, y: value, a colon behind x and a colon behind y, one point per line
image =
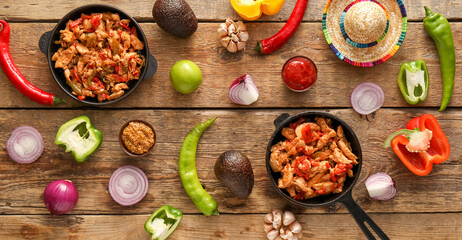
x: 367, y: 98
x: 60, y: 197
x: 128, y: 185
x: 243, y: 91
x: 381, y: 186
x: 25, y: 145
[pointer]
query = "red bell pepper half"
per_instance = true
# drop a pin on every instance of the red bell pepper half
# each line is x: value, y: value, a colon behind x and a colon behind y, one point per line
x: 420, y: 145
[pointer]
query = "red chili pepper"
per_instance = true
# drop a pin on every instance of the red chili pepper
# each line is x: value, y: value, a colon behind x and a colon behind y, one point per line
x: 322, y: 191
x: 81, y: 97
x: 15, y: 76
x: 125, y: 26
x: 117, y: 68
x: 95, y: 21
x: 275, y: 42
x: 74, y: 71
x: 298, y: 122
x: 105, y: 95
x: 421, y: 163
x: 75, y: 23
x: 102, y: 56
x: 297, y: 163
x: 306, y: 134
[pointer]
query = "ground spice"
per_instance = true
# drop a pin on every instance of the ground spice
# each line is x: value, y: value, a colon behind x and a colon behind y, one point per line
x: 138, y: 137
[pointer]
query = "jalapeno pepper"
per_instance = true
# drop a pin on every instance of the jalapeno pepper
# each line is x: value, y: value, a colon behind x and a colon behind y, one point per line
x: 437, y: 26
x: 413, y: 81
x: 79, y: 137
x: 422, y: 144
x: 188, y: 174
x: 163, y: 222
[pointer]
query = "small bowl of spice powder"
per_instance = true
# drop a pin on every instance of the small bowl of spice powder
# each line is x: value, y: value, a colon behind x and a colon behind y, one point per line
x: 137, y: 137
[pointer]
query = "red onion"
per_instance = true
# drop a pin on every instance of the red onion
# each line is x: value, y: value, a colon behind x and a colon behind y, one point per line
x: 128, y: 185
x: 25, y: 145
x: 60, y: 197
x: 367, y: 98
x: 381, y: 186
x: 243, y: 91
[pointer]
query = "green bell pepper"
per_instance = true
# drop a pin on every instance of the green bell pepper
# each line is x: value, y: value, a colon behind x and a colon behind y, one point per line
x: 413, y: 81
x: 79, y: 137
x: 163, y: 222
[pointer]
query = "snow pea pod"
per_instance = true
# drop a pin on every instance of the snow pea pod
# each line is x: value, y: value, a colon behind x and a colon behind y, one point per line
x: 188, y: 174
x: 437, y: 26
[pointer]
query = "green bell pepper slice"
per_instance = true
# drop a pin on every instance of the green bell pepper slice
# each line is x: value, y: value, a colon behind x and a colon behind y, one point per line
x: 79, y: 137
x: 413, y: 81
x: 163, y: 222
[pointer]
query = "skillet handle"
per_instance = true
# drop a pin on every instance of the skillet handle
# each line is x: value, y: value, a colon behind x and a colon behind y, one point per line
x: 361, y: 217
x: 279, y: 120
x: 151, y: 66
x: 43, y: 42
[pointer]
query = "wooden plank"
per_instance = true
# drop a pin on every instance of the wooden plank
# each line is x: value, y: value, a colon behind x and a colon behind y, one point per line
x: 314, y: 226
x: 205, y: 10
x: 335, y: 82
x: 21, y: 186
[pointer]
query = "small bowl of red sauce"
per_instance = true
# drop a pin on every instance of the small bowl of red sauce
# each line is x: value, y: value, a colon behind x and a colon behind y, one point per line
x: 299, y: 73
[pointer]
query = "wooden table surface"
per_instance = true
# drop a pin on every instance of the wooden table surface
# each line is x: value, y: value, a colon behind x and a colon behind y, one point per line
x: 424, y: 208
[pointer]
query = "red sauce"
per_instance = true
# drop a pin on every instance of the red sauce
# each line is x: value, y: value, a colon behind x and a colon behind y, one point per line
x: 299, y: 73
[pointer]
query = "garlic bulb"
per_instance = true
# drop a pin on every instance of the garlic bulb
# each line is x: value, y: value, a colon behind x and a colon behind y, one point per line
x: 233, y: 35
x: 279, y: 225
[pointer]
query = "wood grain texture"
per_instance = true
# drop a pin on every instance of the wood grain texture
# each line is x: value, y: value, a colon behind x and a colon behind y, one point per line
x: 336, y: 79
x: 205, y: 10
x: 21, y: 186
x: 341, y: 226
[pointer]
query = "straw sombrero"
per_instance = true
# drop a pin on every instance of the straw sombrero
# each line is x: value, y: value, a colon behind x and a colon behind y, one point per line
x: 364, y: 33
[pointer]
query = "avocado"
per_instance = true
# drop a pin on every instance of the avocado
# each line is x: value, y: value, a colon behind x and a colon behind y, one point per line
x: 175, y: 17
x: 233, y: 169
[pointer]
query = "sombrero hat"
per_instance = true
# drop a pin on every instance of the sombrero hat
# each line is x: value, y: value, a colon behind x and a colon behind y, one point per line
x: 364, y: 33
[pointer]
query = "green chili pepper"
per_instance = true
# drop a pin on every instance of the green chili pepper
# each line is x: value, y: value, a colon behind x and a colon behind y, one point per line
x: 413, y: 81
x: 188, y: 174
x: 439, y: 30
x: 163, y: 222
x: 79, y: 137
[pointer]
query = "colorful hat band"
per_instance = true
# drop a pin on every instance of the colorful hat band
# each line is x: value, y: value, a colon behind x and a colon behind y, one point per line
x: 372, y: 63
x: 348, y: 39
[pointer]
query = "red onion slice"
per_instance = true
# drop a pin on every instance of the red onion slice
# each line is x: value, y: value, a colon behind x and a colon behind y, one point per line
x: 243, y: 91
x: 128, y: 185
x: 25, y: 145
x: 381, y: 186
x: 367, y: 98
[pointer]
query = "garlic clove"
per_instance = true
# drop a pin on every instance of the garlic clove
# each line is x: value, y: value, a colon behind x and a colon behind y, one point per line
x: 228, y: 22
x: 241, y: 26
x: 225, y: 41
x: 222, y: 31
x: 272, y: 234
x: 295, y: 227
x: 232, y: 47
x: 278, y: 238
x: 288, y: 218
x: 235, y: 38
x: 287, y: 234
x: 240, y: 46
x: 269, y: 218
x: 243, y: 36
x: 231, y: 28
x: 268, y: 227
x: 277, y: 218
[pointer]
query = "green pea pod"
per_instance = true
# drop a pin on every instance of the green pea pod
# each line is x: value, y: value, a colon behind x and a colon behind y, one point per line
x: 438, y: 28
x: 79, y: 137
x: 163, y: 222
x: 413, y: 81
x: 188, y: 174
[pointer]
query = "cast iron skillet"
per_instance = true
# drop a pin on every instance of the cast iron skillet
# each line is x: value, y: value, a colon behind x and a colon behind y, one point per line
x: 344, y: 197
x: 48, y: 47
